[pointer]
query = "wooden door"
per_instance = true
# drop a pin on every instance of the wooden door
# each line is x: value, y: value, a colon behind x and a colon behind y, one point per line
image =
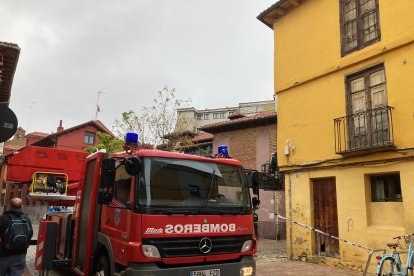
x: 325, y: 216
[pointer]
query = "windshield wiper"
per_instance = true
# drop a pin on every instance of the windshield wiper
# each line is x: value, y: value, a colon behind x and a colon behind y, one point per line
x: 221, y: 212
x: 208, y: 195
x: 179, y: 212
x: 165, y: 211
x: 232, y: 212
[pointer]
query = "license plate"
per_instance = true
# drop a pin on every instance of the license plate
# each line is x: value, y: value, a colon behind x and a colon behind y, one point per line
x: 208, y: 272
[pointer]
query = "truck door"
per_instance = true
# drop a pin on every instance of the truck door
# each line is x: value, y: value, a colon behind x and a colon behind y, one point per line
x: 87, y: 214
x: 117, y: 217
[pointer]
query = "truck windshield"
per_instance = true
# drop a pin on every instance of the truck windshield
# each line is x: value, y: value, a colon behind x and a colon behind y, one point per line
x: 175, y: 186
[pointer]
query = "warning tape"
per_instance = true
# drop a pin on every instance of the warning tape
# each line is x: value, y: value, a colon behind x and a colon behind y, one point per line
x: 319, y: 231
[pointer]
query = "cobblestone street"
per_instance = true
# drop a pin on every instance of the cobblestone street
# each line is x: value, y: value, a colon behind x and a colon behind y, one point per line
x: 30, y: 260
x: 271, y: 259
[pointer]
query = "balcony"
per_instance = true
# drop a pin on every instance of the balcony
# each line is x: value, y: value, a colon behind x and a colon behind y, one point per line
x: 367, y: 131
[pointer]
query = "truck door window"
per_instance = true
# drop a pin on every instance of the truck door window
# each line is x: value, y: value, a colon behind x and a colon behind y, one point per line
x: 122, y: 187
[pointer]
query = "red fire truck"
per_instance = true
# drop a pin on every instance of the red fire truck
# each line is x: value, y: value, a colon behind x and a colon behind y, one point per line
x: 150, y: 212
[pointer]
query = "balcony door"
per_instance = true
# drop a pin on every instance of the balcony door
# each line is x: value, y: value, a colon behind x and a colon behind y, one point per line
x: 368, y: 120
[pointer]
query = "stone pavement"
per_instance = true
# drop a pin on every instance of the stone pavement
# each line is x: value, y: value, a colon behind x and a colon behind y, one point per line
x: 30, y: 261
x: 271, y: 260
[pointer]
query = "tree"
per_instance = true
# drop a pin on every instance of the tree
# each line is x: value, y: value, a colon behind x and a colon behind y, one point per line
x: 130, y: 122
x: 111, y: 144
x: 205, y: 152
x: 161, y: 118
x: 156, y: 122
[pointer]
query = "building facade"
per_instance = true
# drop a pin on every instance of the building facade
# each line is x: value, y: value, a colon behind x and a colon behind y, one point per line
x: 9, y: 56
x: 343, y: 77
x: 252, y: 140
x: 192, y: 119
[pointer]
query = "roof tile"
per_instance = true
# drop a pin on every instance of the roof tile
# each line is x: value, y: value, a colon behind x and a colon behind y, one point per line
x: 242, y: 122
x: 203, y: 136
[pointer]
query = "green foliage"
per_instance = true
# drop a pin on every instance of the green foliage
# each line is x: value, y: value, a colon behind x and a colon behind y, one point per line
x: 130, y: 122
x: 154, y: 122
x: 204, y: 152
x: 161, y: 117
x: 111, y: 144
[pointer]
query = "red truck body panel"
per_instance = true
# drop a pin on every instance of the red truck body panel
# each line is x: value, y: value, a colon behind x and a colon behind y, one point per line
x: 31, y: 159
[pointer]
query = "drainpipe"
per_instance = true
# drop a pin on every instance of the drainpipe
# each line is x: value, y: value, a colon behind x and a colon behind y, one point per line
x: 290, y: 216
x: 275, y: 208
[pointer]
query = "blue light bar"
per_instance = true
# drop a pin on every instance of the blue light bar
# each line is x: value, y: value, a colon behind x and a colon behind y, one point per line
x: 224, y: 150
x: 131, y: 138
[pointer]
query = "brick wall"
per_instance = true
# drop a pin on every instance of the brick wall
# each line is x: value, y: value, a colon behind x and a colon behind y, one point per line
x: 243, y: 144
x: 252, y: 147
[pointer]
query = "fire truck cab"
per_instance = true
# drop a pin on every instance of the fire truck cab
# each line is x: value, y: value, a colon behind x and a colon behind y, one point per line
x: 151, y: 212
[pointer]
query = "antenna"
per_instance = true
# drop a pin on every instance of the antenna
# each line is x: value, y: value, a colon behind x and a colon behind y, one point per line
x: 30, y: 114
x: 98, y: 108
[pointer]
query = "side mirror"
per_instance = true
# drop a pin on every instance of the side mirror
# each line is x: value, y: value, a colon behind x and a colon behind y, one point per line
x: 255, y: 183
x: 104, y: 197
x: 107, y: 173
x: 132, y: 165
x: 255, y: 202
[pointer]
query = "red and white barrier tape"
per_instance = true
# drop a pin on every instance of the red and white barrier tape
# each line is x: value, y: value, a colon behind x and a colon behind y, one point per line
x: 319, y: 231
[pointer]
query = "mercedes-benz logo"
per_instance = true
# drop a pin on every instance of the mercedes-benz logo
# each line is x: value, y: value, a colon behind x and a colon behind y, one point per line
x: 205, y: 245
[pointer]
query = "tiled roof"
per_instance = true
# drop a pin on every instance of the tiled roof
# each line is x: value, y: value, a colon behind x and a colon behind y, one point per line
x: 37, y: 134
x: 202, y: 137
x: 258, y: 119
x: 179, y: 134
x: 99, y: 123
x: 9, y: 55
x: 12, y: 147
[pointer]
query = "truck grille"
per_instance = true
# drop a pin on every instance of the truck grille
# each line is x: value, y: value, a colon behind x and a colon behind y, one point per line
x: 185, y: 247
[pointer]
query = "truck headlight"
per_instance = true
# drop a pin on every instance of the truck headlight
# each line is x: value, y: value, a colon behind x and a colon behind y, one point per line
x: 247, y: 245
x: 150, y: 251
x: 246, y: 271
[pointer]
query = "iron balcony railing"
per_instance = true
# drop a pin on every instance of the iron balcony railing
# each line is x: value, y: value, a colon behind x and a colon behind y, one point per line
x: 371, y: 129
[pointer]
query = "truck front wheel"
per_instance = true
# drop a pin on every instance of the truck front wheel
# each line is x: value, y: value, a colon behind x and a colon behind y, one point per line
x: 102, y: 266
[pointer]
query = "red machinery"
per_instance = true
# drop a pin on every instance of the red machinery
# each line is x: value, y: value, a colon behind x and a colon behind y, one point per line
x: 150, y: 212
x: 53, y: 174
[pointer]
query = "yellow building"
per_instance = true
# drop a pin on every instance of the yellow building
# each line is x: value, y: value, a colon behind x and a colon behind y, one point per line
x: 344, y: 77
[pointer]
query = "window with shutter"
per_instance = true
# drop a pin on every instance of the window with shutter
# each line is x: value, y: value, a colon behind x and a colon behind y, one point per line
x: 359, y: 24
x: 368, y: 124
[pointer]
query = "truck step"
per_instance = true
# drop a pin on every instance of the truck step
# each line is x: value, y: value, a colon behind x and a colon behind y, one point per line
x: 51, y: 197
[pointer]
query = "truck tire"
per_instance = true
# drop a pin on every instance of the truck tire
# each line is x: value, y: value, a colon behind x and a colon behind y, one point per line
x: 102, y: 267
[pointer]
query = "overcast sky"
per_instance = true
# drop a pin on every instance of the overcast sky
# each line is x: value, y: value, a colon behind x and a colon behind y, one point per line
x: 214, y: 52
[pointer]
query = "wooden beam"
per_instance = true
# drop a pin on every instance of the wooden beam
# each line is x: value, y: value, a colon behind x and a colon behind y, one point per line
x: 280, y: 11
x: 1, y: 66
x: 294, y: 2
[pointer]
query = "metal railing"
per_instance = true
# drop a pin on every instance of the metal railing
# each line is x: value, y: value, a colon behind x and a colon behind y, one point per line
x: 365, y: 130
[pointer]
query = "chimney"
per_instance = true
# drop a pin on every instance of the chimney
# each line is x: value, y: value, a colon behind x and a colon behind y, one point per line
x: 60, y: 127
